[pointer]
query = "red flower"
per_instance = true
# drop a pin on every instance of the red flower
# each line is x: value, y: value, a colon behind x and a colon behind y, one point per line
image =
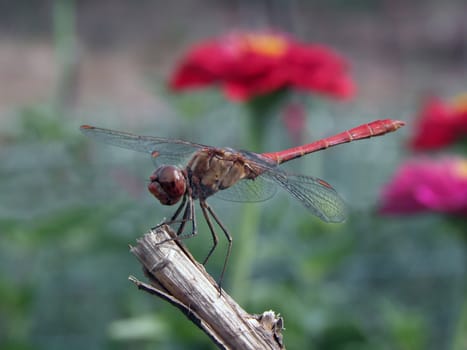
x: 427, y: 185
x: 253, y: 64
x: 440, y: 123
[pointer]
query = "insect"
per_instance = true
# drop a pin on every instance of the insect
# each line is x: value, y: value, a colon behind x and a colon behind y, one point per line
x: 192, y: 171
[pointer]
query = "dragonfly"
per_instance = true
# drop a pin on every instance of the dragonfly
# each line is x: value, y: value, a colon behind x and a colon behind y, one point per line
x: 188, y: 171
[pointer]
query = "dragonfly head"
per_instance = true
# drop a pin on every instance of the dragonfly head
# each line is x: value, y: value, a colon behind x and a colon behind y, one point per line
x: 167, y: 184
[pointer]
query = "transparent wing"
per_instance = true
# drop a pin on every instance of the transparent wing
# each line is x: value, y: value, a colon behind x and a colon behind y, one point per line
x: 315, y: 194
x: 163, y: 150
x: 257, y: 190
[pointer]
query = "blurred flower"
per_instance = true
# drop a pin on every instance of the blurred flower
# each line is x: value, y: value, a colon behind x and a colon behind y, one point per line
x: 427, y: 185
x: 440, y: 123
x: 294, y: 119
x: 247, y: 65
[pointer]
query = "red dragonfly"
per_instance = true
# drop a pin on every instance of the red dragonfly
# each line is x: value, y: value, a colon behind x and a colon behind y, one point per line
x: 188, y: 171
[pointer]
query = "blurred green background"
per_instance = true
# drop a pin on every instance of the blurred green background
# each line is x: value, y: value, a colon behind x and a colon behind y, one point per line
x: 70, y: 207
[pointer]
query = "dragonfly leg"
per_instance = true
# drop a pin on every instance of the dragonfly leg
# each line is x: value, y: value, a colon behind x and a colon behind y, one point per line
x: 173, y: 219
x: 206, y: 211
x: 179, y: 209
x: 188, y: 215
x: 204, y: 207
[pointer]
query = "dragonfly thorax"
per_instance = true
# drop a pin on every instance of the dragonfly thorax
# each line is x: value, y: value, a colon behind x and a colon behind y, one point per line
x: 167, y: 184
x: 210, y: 171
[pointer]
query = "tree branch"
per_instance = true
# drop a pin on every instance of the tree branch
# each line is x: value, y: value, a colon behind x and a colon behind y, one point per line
x: 178, y: 278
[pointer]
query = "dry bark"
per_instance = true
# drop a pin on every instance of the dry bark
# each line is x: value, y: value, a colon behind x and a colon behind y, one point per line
x: 178, y: 278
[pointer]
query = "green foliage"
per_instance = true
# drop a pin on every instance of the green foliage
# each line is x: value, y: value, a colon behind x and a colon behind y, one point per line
x: 66, y: 221
x: 370, y: 283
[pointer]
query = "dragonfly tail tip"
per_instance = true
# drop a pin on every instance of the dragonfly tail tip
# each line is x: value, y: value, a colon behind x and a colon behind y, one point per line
x: 398, y: 124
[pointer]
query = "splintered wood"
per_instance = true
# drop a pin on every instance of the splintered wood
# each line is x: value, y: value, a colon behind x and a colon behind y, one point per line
x: 178, y: 278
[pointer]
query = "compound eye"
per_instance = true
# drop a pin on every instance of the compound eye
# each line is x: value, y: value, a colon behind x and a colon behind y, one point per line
x: 168, y: 184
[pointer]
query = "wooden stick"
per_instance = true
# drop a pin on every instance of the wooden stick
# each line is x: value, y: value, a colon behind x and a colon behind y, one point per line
x: 178, y: 278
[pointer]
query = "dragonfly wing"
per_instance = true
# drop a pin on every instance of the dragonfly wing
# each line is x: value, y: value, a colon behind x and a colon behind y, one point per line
x: 315, y: 194
x: 257, y: 190
x: 162, y: 149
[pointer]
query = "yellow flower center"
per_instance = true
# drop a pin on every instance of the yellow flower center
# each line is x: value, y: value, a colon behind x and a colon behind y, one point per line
x: 264, y: 44
x: 461, y: 169
x: 459, y: 102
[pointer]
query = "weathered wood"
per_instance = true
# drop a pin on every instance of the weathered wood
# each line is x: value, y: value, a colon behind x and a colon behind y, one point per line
x: 179, y: 279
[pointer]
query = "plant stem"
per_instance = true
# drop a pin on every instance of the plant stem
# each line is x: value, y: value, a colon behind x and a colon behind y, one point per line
x: 244, y: 251
x: 260, y: 111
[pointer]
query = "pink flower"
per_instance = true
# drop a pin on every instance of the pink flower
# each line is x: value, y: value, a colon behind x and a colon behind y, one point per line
x: 440, y: 123
x: 250, y: 64
x: 427, y: 185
